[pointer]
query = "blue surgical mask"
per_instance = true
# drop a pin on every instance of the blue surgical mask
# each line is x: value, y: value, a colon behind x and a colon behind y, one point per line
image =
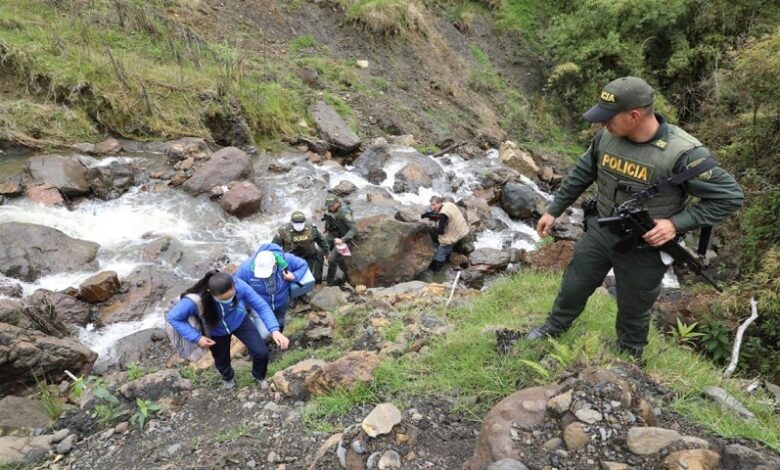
x: 227, y: 301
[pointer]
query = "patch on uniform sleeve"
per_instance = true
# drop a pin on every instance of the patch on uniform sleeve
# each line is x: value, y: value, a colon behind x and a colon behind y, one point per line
x: 704, y: 175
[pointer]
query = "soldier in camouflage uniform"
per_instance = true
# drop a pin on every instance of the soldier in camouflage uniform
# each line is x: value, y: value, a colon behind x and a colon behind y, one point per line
x: 339, y: 227
x: 302, y: 239
x: 636, y: 149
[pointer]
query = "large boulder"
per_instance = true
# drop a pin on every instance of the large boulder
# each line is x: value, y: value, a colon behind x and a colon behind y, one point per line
x: 46, y: 194
x: 68, y: 175
x: 478, y: 213
x: 328, y: 298
x: 525, y: 409
x: 15, y: 450
x: 112, y: 180
x: 291, y: 382
x: 370, y: 164
x: 163, y: 383
x: 141, y: 291
x: 12, y: 312
x: 31, y: 251
x: 21, y: 414
x: 332, y: 128
x: 411, y: 177
x: 226, y: 165
x: 11, y: 188
x: 519, y: 159
x: 489, y: 260
x: 389, y: 251
x: 518, y: 200
x: 10, y: 288
x: 23, y: 351
x: 345, y: 372
x: 99, y: 287
x: 68, y: 309
x: 242, y: 199
x: 140, y: 346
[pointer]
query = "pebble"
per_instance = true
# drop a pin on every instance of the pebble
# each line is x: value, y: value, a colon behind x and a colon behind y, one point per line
x: 60, y: 435
x: 357, y: 446
x: 66, y: 445
x: 273, y: 457
x: 341, y: 453
x: 248, y: 405
x: 587, y: 415
x: 251, y: 463
x: 390, y: 459
x: 121, y: 427
x: 553, y: 444
x: 173, y: 449
x: 106, y: 435
x: 562, y: 453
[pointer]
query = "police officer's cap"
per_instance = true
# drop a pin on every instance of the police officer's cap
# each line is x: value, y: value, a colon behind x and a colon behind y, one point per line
x: 297, y: 217
x: 330, y: 200
x: 620, y: 95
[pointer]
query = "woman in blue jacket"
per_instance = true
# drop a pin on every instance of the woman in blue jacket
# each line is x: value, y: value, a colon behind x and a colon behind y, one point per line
x: 269, y: 272
x: 224, y: 301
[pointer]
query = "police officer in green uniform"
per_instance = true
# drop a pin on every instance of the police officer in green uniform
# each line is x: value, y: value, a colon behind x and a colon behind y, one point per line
x: 636, y: 149
x: 339, y: 227
x: 302, y: 239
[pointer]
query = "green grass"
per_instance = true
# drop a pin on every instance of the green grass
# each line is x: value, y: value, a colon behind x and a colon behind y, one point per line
x: 51, y: 403
x: 386, y: 17
x: 230, y: 435
x: 302, y: 42
x: 465, y: 366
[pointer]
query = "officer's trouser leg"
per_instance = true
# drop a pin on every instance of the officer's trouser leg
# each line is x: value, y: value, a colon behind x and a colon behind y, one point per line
x: 315, y: 263
x: 638, y: 276
x: 586, y: 271
x: 331, y: 276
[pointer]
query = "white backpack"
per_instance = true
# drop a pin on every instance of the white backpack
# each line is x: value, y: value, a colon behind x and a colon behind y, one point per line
x: 185, y: 349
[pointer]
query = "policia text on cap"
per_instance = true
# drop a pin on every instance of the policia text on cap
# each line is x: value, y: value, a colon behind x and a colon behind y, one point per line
x: 636, y: 149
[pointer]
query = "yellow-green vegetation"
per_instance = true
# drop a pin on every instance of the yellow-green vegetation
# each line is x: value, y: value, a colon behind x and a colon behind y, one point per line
x: 383, y: 16
x: 123, y: 67
x: 232, y: 434
x: 52, y: 403
x: 465, y: 365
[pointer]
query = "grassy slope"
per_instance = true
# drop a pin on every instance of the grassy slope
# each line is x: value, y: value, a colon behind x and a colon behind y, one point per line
x: 465, y: 366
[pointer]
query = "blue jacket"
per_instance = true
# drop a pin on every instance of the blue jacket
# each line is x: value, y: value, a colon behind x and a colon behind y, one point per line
x: 281, y: 295
x: 230, y: 317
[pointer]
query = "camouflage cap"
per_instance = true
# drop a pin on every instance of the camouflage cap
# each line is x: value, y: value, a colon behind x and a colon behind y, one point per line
x: 330, y: 200
x: 620, y: 95
x: 297, y: 217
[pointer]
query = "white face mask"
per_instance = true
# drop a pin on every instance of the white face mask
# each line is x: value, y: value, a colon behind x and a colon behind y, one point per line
x: 298, y: 226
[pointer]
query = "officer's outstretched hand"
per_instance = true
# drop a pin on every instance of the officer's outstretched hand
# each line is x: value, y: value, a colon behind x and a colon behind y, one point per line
x: 663, y: 231
x: 544, y: 225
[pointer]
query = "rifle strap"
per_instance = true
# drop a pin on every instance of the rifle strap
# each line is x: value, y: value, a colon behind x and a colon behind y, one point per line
x: 675, y: 180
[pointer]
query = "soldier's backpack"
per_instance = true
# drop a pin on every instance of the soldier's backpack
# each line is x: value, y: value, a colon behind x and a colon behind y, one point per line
x: 183, y: 348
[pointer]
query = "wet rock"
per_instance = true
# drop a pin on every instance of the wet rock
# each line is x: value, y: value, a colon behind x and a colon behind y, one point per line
x: 109, y: 146
x: 346, y: 372
x: 646, y: 441
x: 138, y: 346
x: 20, y: 450
x: 379, y: 154
x: 575, y: 436
x: 332, y: 128
x: 141, y: 291
x: 489, y: 260
x: 517, y: 158
x: 695, y: 459
x: 725, y: 400
x: 163, y: 383
x: 291, y: 382
x: 389, y: 459
x: 242, y: 199
x: 376, y: 176
x: 10, y: 288
x: 184, y: 148
x: 12, y: 312
x: 68, y: 309
x: 24, y: 350
x: 224, y: 118
x: 36, y: 250
x: 744, y: 458
x: 226, y: 165
x: 21, y: 415
x: 411, y: 177
x: 518, y: 200
x: 588, y: 416
x: 112, y: 180
x: 553, y: 444
x: 478, y: 213
x: 45, y: 194
x: 389, y: 251
x: 552, y: 257
x: 507, y: 464
x: 319, y: 329
x: 344, y: 188
x: 329, y: 298
x: 100, y: 287
x: 382, y: 419
x: 11, y: 188
x: 68, y: 175
x: 525, y: 408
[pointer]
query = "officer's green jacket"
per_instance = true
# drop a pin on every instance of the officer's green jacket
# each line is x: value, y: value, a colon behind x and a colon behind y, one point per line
x: 300, y: 243
x: 340, y: 224
x: 622, y: 167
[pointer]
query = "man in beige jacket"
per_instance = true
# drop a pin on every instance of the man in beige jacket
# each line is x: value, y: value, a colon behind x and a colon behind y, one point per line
x: 451, y: 227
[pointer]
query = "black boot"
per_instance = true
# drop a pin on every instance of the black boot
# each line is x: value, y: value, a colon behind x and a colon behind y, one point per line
x: 541, y: 332
x: 436, y: 265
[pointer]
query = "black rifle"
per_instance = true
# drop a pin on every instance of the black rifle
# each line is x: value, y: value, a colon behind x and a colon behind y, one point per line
x: 430, y: 214
x: 634, y: 221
